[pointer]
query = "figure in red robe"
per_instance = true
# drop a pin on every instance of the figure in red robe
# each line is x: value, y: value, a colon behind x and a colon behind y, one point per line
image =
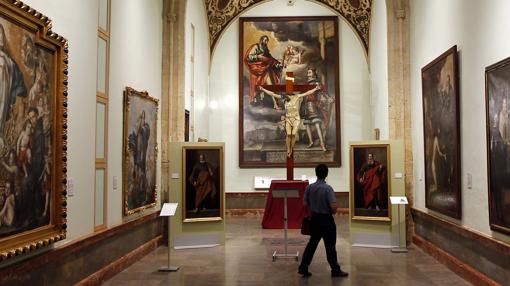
x: 372, y: 177
x: 264, y: 69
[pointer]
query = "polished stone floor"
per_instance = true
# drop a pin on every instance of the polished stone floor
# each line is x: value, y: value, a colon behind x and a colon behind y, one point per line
x: 246, y: 259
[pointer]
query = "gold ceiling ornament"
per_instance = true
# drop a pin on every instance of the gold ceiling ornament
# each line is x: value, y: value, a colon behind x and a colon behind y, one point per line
x: 221, y: 12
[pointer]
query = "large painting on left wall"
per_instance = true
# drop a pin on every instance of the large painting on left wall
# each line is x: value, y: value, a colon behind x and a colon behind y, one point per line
x: 33, y: 131
x: 140, y: 151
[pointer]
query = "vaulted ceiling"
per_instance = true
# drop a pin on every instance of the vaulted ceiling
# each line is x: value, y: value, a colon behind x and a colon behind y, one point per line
x: 221, y: 12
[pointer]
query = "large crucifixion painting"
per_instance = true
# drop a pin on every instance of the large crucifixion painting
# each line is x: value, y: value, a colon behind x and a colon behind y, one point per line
x: 270, y: 49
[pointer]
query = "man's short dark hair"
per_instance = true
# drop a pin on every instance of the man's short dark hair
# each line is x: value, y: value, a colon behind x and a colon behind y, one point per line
x: 321, y: 171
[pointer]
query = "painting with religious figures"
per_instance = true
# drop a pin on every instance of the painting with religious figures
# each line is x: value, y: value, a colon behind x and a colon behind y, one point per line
x: 269, y: 48
x: 497, y: 96
x: 441, y: 133
x: 33, y: 131
x: 202, y: 183
x: 370, y: 183
x: 140, y: 151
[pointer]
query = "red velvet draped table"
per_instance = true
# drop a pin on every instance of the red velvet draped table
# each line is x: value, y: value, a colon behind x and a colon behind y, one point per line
x: 273, y: 214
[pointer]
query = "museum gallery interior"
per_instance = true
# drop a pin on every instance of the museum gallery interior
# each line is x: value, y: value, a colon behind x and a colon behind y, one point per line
x: 177, y: 142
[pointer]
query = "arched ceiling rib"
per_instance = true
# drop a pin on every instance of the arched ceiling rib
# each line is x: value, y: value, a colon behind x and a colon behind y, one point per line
x: 221, y: 12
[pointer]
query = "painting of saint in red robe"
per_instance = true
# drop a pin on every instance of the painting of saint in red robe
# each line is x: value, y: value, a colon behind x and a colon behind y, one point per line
x: 370, y: 181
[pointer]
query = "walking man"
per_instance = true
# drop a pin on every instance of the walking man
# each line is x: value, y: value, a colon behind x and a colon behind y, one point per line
x: 321, y: 203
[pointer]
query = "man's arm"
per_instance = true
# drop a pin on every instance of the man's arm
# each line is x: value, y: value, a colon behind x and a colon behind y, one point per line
x: 332, y: 201
x: 333, y: 207
x: 311, y: 91
x: 270, y: 92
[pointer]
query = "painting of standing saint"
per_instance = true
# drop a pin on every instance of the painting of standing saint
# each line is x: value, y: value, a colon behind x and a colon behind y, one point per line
x: 33, y: 78
x: 202, y: 184
x: 140, y: 150
x: 370, y: 187
x: 270, y: 48
x: 441, y: 132
x: 497, y: 95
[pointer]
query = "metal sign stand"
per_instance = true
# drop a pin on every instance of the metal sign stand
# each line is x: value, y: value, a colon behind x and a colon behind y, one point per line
x: 399, y: 201
x: 285, y: 194
x: 168, y: 210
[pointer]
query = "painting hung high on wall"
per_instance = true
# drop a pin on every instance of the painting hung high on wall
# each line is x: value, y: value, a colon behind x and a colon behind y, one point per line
x: 497, y: 95
x: 441, y: 132
x: 270, y: 48
x: 370, y: 186
x: 33, y: 131
x: 140, y: 151
x: 202, y: 184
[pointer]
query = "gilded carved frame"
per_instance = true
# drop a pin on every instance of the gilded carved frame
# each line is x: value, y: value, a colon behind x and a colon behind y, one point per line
x: 128, y: 166
x: 52, y: 51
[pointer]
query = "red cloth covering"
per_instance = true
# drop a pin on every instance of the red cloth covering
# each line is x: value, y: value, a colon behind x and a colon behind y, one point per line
x: 273, y: 214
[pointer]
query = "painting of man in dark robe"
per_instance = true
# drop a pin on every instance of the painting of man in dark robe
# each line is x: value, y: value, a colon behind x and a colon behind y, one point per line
x: 140, y: 156
x: 26, y: 120
x: 202, y: 184
x: 370, y: 181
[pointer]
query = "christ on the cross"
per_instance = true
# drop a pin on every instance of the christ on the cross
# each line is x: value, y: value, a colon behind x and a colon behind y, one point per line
x: 292, y: 118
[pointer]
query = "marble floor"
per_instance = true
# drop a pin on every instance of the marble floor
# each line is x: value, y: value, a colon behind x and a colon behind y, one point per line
x: 246, y: 259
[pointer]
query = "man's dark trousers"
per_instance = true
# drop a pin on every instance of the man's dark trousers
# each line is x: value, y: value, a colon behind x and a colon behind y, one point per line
x: 322, y: 227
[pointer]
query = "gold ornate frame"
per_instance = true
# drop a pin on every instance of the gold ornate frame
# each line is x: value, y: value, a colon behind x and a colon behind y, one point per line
x: 352, y: 181
x: 185, y: 175
x: 128, y: 93
x: 34, y: 22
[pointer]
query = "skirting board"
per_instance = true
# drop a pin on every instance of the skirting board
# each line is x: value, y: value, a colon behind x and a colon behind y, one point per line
x: 122, y: 263
x: 456, y: 265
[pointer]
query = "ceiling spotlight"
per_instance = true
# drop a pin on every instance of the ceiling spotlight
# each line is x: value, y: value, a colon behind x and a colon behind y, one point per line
x: 291, y: 2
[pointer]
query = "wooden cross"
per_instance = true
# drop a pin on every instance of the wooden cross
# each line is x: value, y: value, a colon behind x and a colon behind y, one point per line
x: 290, y: 88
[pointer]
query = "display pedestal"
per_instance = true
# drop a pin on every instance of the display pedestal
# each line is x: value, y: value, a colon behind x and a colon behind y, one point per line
x: 168, y: 210
x: 285, y: 193
x: 399, y: 201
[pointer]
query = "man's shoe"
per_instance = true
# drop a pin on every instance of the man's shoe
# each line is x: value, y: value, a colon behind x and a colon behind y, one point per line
x: 305, y: 273
x: 339, y: 274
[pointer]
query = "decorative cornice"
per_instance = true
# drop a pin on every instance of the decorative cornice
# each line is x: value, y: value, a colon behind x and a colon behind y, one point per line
x: 221, y: 12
